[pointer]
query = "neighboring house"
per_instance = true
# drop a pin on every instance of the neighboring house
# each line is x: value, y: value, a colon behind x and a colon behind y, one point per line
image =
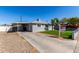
x: 5, y: 28
x: 35, y: 26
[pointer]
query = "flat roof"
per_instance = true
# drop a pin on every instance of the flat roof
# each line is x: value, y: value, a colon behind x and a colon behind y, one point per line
x: 29, y: 23
x: 34, y: 22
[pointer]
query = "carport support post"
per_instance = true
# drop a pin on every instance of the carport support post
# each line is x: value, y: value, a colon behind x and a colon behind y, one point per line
x: 17, y: 27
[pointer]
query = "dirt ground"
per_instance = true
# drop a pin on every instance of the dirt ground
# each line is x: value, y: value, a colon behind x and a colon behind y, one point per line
x: 13, y: 43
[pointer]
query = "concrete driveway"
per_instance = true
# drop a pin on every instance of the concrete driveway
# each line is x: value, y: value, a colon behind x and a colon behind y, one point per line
x: 48, y: 44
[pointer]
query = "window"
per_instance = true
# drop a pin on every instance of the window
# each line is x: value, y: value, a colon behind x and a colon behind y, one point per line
x: 39, y: 25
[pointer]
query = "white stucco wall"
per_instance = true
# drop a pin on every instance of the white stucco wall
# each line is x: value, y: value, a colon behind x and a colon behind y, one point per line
x: 49, y: 27
x: 36, y: 28
x: 5, y: 28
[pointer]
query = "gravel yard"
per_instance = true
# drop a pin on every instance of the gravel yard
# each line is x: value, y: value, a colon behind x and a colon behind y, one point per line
x: 13, y: 43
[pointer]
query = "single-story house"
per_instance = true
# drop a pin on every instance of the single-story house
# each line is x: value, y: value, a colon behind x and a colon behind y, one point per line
x: 35, y: 26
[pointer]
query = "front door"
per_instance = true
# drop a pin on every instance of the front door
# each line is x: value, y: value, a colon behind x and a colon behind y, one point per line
x: 46, y: 27
x: 24, y: 28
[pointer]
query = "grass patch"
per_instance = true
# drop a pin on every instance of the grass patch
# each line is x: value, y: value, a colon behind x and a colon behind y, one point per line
x: 65, y: 34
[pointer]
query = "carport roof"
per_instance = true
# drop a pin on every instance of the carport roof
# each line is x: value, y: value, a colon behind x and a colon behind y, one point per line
x: 30, y: 22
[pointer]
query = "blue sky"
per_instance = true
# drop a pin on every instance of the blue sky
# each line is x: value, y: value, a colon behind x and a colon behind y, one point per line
x: 9, y: 14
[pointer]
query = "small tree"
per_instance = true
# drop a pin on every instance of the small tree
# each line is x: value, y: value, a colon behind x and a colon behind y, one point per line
x: 64, y: 21
x: 74, y: 20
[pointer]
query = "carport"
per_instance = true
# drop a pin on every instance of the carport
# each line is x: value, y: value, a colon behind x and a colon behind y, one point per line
x: 22, y: 27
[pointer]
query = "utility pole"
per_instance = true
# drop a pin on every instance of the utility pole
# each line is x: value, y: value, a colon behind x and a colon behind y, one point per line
x: 20, y: 18
x: 18, y: 26
x: 59, y: 30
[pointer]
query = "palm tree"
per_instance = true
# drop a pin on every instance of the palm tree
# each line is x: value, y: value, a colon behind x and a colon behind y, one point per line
x: 54, y: 22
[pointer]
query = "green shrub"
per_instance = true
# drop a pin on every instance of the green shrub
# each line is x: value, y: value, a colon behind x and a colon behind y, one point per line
x: 65, y: 34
